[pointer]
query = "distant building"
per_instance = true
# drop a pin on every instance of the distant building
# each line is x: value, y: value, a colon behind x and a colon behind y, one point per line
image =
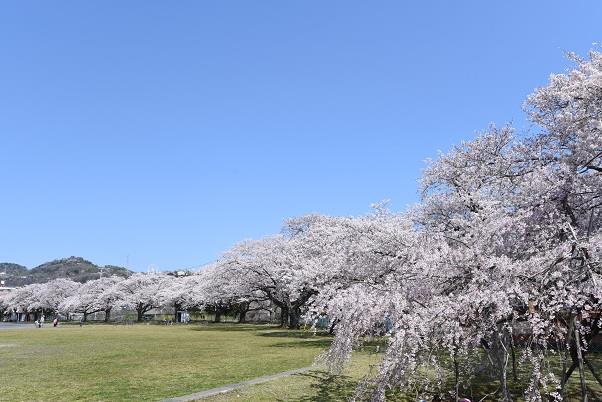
x: 4, y: 288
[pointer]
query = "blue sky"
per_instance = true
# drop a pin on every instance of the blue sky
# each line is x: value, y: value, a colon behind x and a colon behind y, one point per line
x: 160, y: 133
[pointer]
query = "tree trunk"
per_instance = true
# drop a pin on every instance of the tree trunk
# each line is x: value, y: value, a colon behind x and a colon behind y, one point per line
x: 243, y: 310
x: 283, y: 316
x: 294, y: 315
x: 593, y: 370
x: 332, y: 326
x: 456, y: 376
x: 514, y: 373
x: 581, y: 369
x: 107, y: 315
x: 504, y: 380
x: 176, y: 307
x: 85, y: 316
x: 218, y: 316
x: 566, y: 373
x: 140, y: 313
x: 503, y: 357
x: 242, y: 317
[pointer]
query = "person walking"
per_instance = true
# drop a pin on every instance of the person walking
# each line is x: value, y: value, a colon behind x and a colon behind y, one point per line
x: 55, y: 322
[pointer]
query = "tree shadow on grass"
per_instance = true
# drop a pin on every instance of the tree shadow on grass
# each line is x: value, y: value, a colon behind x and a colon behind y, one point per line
x: 329, y: 387
x: 315, y: 343
x: 229, y: 327
x: 292, y: 334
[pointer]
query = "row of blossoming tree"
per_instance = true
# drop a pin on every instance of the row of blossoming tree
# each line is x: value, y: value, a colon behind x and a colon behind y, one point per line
x: 499, y: 265
x: 141, y: 292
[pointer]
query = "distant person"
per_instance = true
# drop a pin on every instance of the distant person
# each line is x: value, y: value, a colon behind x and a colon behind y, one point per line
x: 41, y: 320
x: 36, y: 323
x: 55, y: 322
x: 81, y: 322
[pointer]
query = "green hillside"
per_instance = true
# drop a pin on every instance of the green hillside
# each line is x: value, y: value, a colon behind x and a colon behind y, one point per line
x: 75, y: 268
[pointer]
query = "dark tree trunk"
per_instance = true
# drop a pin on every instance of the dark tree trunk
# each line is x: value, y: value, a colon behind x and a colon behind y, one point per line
x: 580, y: 365
x: 514, y: 373
x: 283, y: 316
x: 593, y: 370
x: 242, y: 317
x: 503, y: 357
x: 332, y: 326
x: 140, y: 313
x: 456, y: 376
x: 243, y: 310
x: 294, y: 315
x: 107, y: 315
x: 573, y: 341
x: 85, y: 316
x: 218, y: 316
x: 176, y: 307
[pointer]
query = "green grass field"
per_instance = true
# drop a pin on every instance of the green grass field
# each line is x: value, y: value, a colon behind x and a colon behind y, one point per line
x: 152, y: 362
x: 311, y: 386
x: 320, y: 386
x: 143, y: 362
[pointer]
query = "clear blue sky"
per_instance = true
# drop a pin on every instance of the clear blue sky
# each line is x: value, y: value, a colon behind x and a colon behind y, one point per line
x: 167, y: 131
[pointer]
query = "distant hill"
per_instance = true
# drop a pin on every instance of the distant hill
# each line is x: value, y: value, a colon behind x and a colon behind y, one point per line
x: 8, y: 268
x: 74, y: 268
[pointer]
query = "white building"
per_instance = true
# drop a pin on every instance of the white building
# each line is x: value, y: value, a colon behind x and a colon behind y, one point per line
x: 4, y: 288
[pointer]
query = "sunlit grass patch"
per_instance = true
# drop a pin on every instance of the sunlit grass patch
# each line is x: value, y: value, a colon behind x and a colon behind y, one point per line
x: 142, y: 362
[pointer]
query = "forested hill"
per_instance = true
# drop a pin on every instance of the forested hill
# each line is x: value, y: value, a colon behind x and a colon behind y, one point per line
x: 75, y: 268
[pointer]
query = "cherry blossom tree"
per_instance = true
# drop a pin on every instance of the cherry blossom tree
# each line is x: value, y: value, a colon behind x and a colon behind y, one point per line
x: 110, y: 295
x: 20, y: 299
x: 93, y: 296
x: 273, y: 268
x: 182, y: 292
x: 142, y: 292
x: 48, y: 296
x: 3, y: 303
x: 507, y: 238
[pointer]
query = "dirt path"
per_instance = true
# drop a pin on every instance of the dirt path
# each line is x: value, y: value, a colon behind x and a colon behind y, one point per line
x: 231, y: 387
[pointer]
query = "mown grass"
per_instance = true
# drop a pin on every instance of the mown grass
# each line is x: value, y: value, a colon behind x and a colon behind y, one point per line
x: 314, y: 385
x: 151, y: 362
x: 320, y: 386
x: 142, y: 362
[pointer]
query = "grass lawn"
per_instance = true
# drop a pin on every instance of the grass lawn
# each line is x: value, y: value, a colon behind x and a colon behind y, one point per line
x: 143, y: 362
x: 315, y: 385
x: 152, y: 362
x: 319, y: 385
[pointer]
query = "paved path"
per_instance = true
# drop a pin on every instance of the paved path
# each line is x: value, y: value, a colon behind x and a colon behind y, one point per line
x: 231, y: 387
x: 13, y: 325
